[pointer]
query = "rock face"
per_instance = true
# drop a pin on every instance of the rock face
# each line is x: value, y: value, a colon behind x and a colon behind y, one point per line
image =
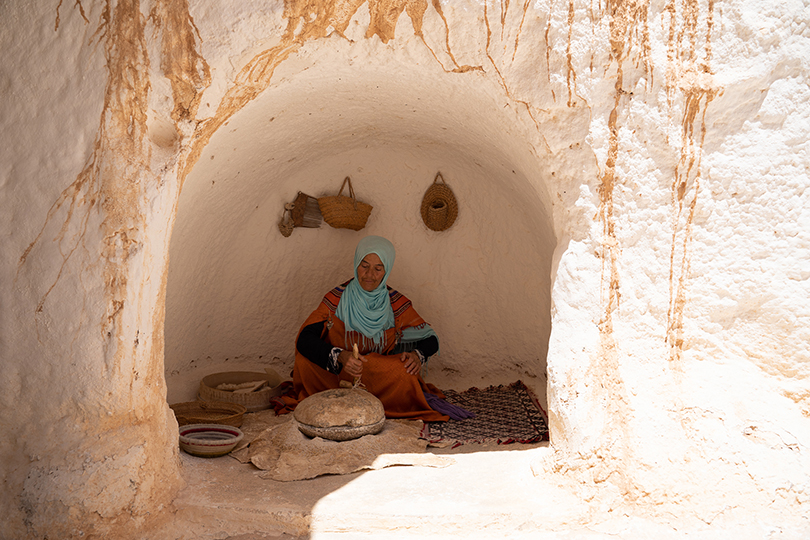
x: 340, y: 414
x: 633, y: 230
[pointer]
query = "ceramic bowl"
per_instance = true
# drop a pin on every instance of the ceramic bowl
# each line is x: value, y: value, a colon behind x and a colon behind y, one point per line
x: 209, y: 440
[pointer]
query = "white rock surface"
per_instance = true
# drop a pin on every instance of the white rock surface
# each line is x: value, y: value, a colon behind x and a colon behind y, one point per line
x: 634, y: 222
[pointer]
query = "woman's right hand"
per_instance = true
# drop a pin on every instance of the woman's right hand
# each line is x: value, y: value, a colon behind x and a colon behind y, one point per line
x: 351, y: 365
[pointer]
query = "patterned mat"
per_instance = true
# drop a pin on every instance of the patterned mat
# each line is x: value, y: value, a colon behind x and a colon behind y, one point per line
x: 503, y: 414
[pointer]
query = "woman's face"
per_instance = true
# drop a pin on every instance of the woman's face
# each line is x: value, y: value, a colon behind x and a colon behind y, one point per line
x: 370, y: 272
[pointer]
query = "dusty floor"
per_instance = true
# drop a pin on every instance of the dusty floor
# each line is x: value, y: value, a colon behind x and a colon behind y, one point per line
x: 488, y: 492
x: 488, y: 489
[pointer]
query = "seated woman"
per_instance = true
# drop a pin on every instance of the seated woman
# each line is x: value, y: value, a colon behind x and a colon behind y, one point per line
x: 394, y: 342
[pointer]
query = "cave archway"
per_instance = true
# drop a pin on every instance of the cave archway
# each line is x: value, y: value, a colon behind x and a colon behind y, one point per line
x: 238, y: 290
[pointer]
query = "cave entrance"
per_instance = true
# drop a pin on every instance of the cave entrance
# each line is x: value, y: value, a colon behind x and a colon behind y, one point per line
x: 238, y: 290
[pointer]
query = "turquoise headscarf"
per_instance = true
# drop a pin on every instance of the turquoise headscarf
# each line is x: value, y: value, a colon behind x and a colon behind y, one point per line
x: 369, y: 312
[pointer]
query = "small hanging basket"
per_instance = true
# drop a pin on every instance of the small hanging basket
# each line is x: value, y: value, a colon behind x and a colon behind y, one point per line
x: 286, y: 225
x: 439, y: 206
x: 343, y: 212
x: 305, y: 212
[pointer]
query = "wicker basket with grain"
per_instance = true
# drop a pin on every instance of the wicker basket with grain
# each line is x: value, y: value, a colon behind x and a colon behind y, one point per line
x: 253, y: 400
x: 209, y: 412
x: 342, y: 212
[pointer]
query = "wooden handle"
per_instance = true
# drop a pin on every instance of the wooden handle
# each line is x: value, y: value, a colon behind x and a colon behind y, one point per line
x: 356, y: 354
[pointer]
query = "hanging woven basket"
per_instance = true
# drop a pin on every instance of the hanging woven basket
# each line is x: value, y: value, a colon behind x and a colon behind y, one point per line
x: 439, y: 206
x: 343, y: 212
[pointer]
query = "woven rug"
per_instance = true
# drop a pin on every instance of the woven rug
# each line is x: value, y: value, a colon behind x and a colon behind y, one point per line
x: 503, y: 414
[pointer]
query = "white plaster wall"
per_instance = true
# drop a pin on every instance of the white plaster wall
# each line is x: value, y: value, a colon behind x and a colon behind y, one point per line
x: 677, y: 356
x: 89, y: 444
x: 729, y: 406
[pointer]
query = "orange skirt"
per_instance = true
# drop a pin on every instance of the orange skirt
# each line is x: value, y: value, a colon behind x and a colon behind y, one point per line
x: 384, y: 375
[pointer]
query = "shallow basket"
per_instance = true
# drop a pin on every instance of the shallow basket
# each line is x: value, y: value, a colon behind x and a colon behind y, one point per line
x: 209, y: 440
x: 252, y: 401
x: 209, y: 412
x: 343, y: 212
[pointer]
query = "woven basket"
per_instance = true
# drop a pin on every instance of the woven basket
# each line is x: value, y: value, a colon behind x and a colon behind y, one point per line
x: 253, y: 401
x: 209, y: 412
x: 439, y: 206
x: 343, y: 212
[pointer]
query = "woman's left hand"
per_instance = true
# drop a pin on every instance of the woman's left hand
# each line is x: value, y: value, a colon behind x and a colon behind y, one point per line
x: 412, y: 363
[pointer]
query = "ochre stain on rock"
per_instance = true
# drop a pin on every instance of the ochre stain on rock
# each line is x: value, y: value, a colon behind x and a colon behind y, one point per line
x: 309, y: 20
x: 384, y: 15
x: 570, y: 76
x: 78, y: 5
x: 688, y: 77
x: 108, y: 201
x: 501, y: 78
x: 526, y: 4
x: 692, y: 76
x: 628, y: 26
x: 448, y: 49
x: 629, y: 31
x: 117, y: 172
x: 123, y: 177
x: 180, y: 61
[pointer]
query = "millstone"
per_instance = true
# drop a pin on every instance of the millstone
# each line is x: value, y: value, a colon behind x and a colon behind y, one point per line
x: 340, y: 414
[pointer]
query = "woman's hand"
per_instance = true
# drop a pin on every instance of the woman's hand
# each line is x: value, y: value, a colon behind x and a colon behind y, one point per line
x: 351, y: 365
x: 412, y: 362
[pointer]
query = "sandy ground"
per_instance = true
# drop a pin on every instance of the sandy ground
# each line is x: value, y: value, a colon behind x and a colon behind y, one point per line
x: 486, y: 489
x: 489, y: 489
